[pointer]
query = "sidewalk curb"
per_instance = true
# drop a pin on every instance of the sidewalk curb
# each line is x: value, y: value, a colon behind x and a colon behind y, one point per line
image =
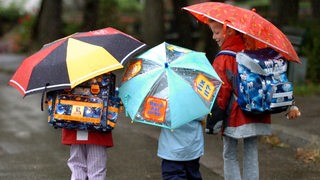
x: 294, y: 136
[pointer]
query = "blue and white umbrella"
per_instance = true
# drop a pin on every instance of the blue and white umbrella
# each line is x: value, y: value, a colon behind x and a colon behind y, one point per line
x: 168, y: 86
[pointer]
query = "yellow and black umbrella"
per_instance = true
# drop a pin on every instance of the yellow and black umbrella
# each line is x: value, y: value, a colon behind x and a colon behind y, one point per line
x: 67, y: 62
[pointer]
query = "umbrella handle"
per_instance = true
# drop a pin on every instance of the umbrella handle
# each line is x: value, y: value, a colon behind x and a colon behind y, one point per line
x: 125, y: 103
x: 42, y: 96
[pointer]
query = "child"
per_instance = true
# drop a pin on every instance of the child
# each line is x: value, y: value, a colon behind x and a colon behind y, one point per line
x: 237, y: 125
x: 88, y: 153
x: 88, y: 149
x: 180, y: 150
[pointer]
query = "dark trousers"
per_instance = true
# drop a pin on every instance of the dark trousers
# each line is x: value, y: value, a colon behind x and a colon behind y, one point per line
x: 181, y: 170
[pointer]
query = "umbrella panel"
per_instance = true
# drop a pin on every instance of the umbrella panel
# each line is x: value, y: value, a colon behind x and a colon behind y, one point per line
x: 186, y: 101
x: 112, y: 44
x: 43, y: 76
x: 154, y: 108
x: 137, y: 81
x: 203, y: 83
x: 85, y: 61
x: 136, y: 68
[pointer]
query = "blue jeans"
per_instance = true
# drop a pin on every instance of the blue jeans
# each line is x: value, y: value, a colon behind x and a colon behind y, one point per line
x: 181, y: 170
x: 250, y: 159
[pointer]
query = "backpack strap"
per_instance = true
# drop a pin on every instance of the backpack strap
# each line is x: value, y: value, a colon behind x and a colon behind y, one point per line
x: 233, y: 54
x: 226, y: 52
x: 230, y: 53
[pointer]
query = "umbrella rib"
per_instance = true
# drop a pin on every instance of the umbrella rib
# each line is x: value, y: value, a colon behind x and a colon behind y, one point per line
x: 36, y: 89
x: 17, y: 84
x: 48, y: 87
x: 122, y: 61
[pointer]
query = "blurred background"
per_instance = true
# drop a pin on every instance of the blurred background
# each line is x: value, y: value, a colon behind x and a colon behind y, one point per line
x: 26, y: 25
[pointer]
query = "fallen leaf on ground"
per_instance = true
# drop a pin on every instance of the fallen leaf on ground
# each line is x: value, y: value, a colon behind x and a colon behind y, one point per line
x: 308, y: 155
x: 274, y: 140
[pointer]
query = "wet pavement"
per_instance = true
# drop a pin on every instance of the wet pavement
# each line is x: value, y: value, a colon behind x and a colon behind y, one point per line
x: 31, y: 149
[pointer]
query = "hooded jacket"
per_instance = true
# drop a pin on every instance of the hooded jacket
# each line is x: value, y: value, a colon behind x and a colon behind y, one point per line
x: 237, y: 124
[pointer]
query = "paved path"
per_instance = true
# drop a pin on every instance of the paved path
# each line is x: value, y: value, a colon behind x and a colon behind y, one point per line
x: 30, y: 149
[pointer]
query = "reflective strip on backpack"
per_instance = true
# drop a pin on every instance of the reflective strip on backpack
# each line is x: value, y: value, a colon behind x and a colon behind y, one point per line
x: 227, y: 52
x: 283, y: 94
x: 280, y: 104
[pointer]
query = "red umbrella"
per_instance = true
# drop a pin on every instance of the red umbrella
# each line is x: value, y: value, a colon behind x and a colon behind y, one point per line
x: 247, y: 22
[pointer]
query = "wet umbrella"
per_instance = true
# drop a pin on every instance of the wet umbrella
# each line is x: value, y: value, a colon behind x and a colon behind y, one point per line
x: 247, y: 22
x: 168, y: 86
x: 67, y: 62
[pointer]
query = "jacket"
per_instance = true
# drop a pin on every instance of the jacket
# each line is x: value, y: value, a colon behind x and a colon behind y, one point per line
x: 184, y: 143
x: 237, y: 124
x: 86, y: 137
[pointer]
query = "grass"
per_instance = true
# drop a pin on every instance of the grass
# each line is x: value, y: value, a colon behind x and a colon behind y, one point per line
x: 307, y: 90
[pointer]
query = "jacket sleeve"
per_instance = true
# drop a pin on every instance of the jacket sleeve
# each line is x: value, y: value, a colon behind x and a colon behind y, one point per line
x: 223, y: 65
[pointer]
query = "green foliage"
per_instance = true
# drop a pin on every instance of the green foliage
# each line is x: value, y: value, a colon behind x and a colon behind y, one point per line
x: 24, y: 30
x: 71, y: 27
x: 8, y: 18
x: 307, y: 89
x: 108, y: 13
x: 130, y: 5
x: 15, y: 26
x: 312, y: 52
x: 10, y: 13
x: 120, y: 14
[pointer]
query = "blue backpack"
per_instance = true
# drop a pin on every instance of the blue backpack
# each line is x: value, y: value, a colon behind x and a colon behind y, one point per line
x: 262, y: 82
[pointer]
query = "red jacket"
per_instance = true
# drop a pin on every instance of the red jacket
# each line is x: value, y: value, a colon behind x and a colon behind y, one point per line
x: 70, y: 137
x: 237, y: 123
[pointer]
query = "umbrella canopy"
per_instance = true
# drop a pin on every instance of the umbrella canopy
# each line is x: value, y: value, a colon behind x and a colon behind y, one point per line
x: 247, y: 22
x: 168, y: 86
x: 67, y: 62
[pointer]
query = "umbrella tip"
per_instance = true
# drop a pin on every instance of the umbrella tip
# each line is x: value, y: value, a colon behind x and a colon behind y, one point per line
x: 254, y: 10
x: 166, y: 65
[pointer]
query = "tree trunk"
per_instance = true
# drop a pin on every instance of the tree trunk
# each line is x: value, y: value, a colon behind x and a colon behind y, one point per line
x: 152, y: 22
x: 182, y: 24
x: 90, y: 15
x: 288, y: 12
x: 108, y: 14
x: 315, y: 4
x: 48, y: 25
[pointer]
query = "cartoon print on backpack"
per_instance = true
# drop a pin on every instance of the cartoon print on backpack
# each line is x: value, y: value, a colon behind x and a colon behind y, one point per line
x: 92, y: 105
x: 263, y: 86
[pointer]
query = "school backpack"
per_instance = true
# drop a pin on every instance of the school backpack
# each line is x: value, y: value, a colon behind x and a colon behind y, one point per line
x: 262, y: 82
x: 92, y: 105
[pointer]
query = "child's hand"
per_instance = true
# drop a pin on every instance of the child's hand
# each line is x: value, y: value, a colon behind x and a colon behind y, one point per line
x: 293, y: 112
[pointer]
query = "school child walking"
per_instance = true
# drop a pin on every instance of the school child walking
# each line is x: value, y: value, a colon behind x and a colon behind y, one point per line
x: 88, y: 153
x: 88, y: 148
x: 237, y: 124
x: 180, y: 150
